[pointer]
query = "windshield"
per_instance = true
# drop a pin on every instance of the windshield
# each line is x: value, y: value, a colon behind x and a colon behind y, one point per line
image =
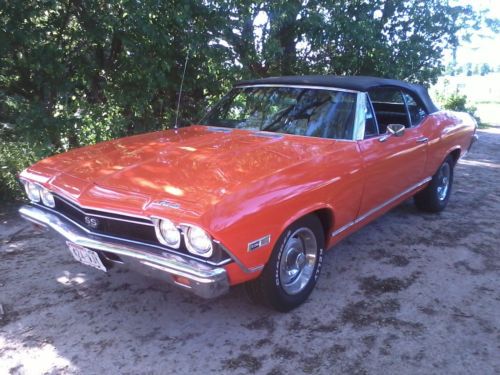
x: 290, y: 110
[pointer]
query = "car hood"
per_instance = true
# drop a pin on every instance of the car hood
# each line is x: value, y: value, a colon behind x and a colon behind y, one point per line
x: 197, y: 165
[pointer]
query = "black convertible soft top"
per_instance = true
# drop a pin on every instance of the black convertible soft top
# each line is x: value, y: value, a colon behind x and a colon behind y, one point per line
x: 356, y: 83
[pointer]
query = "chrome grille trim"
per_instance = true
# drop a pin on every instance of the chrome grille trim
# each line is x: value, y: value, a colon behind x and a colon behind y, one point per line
x: 103, y: 216
x: 83, y: 207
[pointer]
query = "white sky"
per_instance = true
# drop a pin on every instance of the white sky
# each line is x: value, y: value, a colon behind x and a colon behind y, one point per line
x: 481, y: 49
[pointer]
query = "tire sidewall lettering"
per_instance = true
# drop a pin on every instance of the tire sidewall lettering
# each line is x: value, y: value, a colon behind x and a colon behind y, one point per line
x: 318, y: 265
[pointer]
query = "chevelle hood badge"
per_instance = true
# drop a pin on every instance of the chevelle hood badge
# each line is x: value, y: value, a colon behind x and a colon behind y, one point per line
x: 168, y: 204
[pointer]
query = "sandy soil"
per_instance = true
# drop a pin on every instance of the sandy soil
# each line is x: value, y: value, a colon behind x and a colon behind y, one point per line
x: 410, y: 293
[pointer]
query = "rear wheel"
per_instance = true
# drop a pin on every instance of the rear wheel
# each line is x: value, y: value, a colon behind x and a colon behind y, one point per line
x: 293, y: 268
x: 435, y: 196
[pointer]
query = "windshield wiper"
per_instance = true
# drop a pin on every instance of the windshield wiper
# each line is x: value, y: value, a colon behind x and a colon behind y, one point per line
x: 285, y: 112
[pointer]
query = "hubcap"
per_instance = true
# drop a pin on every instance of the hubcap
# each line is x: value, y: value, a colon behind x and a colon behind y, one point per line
x: 443, y: 181
x: 298, y: 260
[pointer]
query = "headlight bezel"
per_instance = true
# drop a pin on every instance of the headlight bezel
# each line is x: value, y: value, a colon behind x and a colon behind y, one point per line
x: 47, y: 198
x: 158, y: 223
x: 30, y: 188
x: 190, y: 246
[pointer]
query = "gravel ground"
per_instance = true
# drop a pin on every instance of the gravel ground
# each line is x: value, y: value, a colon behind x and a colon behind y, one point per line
x: 409, y: 293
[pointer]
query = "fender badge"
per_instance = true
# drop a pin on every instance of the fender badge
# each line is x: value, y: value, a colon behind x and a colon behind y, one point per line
x: 254, y: 245
x: 167, y: 204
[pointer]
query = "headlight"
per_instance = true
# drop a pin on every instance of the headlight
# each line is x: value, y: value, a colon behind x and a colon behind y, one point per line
x: 47, y: 198
x: 167, y: 233
x: 33, y: 191
x: 198, y: 242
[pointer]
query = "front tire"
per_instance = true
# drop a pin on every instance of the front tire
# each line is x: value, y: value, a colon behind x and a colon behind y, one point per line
x: 435, y: 196
x: 293, y: 268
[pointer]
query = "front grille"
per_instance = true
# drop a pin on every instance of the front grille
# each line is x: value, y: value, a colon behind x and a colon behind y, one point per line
x: 123, y: 227
x: 136, y: 229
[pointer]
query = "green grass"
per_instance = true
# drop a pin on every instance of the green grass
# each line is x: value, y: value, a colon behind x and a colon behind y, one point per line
x: 487, y: 102
x: 484, y: 125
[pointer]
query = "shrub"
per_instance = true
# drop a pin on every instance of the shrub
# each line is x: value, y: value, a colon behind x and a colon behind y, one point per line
x: 14, y: 157
x: 457, y: 102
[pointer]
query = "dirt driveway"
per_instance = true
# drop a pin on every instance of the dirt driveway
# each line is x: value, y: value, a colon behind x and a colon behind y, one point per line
x: 410, y: 293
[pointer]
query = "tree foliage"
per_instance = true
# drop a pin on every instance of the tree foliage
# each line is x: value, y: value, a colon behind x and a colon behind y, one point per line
x: 75, y: 72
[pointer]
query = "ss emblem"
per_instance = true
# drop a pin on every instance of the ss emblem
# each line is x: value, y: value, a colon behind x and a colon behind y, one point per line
x: 91, y: 222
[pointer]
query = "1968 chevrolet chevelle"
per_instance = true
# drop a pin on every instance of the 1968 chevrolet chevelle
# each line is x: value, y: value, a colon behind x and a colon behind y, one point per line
x: 275, y: 173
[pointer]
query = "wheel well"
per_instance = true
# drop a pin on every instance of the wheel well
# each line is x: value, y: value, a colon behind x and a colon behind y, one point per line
x: 455, y: 154
x: 325, y: 215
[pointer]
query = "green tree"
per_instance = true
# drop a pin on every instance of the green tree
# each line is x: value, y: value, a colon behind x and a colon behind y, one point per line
x: 401, y: 39
x: 485, y: 69
x: 75, y: 72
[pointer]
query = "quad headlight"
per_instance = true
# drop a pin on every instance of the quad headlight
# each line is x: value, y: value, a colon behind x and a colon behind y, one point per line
x: 167, y: 233
x: 37, y: 193
x: 32, y: 191
x: 47, y: 198
x: 198, y: 242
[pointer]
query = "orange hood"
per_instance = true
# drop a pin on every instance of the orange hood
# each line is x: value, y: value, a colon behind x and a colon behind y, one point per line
x: 195, y: 166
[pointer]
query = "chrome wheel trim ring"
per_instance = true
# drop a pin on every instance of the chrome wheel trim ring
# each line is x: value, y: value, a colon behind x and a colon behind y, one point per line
x: 298, y: 259
x: 443, y: 181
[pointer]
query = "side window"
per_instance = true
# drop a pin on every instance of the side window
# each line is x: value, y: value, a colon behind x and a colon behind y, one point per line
x: 371, y: 129
x: 387, y: 95
x: 417, y: 113
x: 389, y: 107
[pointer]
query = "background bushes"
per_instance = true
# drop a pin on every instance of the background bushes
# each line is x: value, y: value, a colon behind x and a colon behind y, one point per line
x: 76, y: 72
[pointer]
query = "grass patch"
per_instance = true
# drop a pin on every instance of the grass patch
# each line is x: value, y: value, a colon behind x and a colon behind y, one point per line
x: 487, y: 102
x: 484, y: 125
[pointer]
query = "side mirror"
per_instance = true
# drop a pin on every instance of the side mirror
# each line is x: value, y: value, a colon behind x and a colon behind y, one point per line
x: 396, y: 130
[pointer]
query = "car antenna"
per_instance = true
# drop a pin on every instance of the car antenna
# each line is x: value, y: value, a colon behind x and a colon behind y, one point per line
x: 176, y: 126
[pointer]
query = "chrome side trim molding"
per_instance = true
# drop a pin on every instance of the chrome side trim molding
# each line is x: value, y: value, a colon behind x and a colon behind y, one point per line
x: 378, y: 208
x: 343, y: 228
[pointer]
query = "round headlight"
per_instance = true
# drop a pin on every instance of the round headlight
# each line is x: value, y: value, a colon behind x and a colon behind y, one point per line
x: 47, y: 198
x: 33, y: 191
x: 198, y: 242
x: 167, y: 233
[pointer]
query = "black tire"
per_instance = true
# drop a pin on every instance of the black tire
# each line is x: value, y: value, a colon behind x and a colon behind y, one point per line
x: 433, y: 198
x: 269, y: 289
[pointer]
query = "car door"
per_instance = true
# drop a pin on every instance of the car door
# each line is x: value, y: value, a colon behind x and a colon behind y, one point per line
x: 392, y: 165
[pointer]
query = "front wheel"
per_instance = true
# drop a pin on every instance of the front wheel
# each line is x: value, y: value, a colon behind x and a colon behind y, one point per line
x: 293, y: 268
x: 435, y: 196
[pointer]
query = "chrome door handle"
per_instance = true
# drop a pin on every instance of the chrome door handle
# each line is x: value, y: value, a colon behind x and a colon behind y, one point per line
x: 422, y: 140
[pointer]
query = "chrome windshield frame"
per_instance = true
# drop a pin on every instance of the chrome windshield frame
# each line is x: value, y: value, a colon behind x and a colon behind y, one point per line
x: 327, y: 88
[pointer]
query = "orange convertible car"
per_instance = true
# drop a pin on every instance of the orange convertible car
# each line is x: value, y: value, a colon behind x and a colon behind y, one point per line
x: 275, y: 173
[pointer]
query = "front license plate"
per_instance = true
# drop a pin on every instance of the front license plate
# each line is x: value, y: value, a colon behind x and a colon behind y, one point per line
x: 86, y: 256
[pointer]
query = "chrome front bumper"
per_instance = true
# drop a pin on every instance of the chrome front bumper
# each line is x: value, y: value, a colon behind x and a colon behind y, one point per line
x: 198, y: 278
